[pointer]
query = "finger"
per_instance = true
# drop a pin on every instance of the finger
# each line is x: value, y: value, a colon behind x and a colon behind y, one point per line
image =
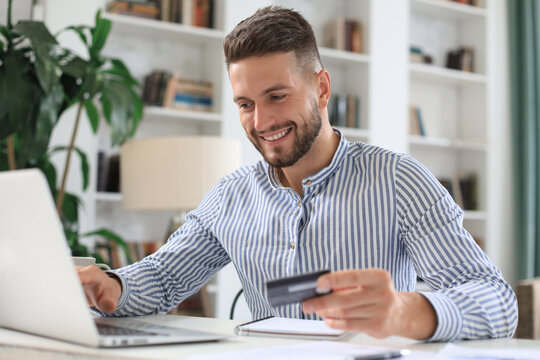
x: 106, y: 301
x: 353, y: 278
x: 359, y: 312
x: 344, y: 299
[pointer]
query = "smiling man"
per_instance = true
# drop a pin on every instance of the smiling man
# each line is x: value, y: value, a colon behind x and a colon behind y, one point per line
x: 374, y: 218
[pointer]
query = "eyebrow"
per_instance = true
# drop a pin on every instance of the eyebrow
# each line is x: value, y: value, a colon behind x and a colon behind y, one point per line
x: 266, y: 91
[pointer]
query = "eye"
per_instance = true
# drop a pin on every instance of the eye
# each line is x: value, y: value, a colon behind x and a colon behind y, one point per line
x: 278, y: 97
x: 245, y: 105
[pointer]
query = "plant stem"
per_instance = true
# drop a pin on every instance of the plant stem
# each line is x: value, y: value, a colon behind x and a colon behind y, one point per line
x: 10, y: 26
x: 62, y: 190
x: 11, y: 153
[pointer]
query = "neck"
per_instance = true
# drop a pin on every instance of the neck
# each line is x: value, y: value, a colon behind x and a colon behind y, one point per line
x: 317, y: 158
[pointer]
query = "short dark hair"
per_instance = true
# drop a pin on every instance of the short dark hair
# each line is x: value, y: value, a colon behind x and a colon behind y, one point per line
x: 273, y: 29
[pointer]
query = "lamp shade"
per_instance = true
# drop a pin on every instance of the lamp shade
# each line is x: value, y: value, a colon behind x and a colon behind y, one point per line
x: 174, y: 173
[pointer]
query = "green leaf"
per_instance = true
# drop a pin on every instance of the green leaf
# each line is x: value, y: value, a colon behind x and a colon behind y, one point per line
x: 15, y: 92
x: 109, y: 235
x: 47, y: 67
x: 70, y: 208
x: 93, y: 115
x: 49, y: 170
x: 75, y: 66
x: 80, y: 31
x: 85, y: 168
x: 47, y: 118
x: 99, y: 36
x: 36, y: 31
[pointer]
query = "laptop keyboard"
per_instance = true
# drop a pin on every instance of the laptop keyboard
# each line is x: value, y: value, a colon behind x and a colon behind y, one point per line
x: 110, y: 330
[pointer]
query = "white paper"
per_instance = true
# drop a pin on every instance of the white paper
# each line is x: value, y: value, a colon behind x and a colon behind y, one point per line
x: 454, y: 352
x: 315, y: 350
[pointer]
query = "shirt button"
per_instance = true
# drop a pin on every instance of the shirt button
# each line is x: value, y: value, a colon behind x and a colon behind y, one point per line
x: 299, y: 203
x: 308, y: 182
x: 292, y: 245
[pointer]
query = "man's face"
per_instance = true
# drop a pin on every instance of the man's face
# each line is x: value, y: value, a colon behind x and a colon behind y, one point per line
x: 277, y: 105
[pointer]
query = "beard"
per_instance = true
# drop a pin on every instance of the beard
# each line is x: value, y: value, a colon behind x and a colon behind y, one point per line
x: 304, y: 138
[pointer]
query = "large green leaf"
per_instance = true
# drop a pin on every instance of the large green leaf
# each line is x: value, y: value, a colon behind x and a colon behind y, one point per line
x: 36, y: 31
x: 109, y: 235
x: 15, y: 93
x: 85, y: 168
x: 46, y: 120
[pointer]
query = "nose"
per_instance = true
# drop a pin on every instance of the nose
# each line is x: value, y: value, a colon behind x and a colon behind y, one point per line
x: 262, y: 118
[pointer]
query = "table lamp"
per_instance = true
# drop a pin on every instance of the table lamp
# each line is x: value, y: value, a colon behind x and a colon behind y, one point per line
x: 174, y: 173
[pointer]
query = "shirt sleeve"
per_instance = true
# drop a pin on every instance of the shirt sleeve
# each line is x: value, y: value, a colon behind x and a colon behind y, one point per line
x: 470, y: 297
x: 191, y: 257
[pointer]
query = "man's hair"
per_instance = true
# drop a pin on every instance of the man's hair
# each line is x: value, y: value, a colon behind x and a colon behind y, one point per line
x: 274, y: 29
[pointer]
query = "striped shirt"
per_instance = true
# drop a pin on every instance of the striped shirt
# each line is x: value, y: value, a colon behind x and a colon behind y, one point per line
x: 369, y: 208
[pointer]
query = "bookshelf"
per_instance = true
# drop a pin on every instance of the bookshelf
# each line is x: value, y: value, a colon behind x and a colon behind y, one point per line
x: 454, y: 103
x: 461, y: 109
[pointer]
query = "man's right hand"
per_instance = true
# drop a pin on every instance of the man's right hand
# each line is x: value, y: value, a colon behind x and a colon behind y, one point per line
x: 101, y: 290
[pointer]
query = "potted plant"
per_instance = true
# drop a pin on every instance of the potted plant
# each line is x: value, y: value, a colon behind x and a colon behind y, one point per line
x: 39, y: 80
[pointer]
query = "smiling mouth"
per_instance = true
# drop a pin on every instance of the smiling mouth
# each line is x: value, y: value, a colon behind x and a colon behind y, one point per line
x: 277, y: 136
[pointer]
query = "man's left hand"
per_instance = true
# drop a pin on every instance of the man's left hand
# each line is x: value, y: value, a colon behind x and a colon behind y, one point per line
x: 366, y: 301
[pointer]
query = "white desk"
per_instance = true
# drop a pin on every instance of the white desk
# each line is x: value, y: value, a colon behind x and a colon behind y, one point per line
x: 14, y: 345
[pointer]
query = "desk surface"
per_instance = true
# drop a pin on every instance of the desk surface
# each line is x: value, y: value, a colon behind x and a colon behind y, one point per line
x: 11, y: 343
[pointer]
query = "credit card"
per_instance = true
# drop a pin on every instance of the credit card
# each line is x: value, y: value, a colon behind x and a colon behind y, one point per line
x: 295, y: 288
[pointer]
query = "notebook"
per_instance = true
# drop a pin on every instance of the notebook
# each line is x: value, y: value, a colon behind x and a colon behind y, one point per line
x: 289, y: 328
x: 40, y: 289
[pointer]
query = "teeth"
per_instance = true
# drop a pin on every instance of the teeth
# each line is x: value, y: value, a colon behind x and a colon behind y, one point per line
x: 277, y: 136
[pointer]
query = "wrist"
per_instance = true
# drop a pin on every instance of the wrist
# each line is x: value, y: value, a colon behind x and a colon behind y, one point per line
x: 418, y: 317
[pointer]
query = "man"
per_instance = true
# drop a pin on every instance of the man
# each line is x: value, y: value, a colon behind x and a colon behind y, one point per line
x: 374, y: 218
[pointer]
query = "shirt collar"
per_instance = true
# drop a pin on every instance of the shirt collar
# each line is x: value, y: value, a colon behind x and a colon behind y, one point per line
x: 324, y: 173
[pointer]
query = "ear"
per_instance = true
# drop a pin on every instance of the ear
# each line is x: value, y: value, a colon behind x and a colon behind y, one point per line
x: 323, y: 88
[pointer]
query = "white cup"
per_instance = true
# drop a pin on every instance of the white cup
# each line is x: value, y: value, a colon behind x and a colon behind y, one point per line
x: 87, y: 261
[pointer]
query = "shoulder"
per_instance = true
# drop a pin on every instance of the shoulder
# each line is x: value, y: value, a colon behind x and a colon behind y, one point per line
x: 365, y: 153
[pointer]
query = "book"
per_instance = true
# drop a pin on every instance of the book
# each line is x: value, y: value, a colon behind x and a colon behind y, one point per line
x: 528, y: 298
x: 289, y: 328
x: 461, y: 58
x: 147, y: 10
x: 344, y: 34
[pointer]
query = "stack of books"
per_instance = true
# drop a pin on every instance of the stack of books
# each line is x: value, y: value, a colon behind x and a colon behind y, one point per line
x: 461, y: 59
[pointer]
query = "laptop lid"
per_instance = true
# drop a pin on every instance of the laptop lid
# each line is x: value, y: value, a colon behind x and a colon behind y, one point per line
x: 41, y: 292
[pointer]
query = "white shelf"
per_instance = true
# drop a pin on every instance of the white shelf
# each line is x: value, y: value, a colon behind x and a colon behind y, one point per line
x: 354, y: 134
x: 449, y: 10
x: 108, y: 196
x: 420, y: 71
x: 341, y: 57
x: 186, y: 116
x: 475, y: 215
x: 152, y: 29
x: 430, y: 142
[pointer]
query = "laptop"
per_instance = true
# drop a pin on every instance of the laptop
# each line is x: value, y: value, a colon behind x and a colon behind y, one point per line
x: 40, y: 291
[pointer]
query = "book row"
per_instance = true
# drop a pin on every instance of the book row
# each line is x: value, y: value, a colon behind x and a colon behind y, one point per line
x: 344, y: 110
x: 162, y: 88
x: 188, y: 12
x: 344, y: 34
